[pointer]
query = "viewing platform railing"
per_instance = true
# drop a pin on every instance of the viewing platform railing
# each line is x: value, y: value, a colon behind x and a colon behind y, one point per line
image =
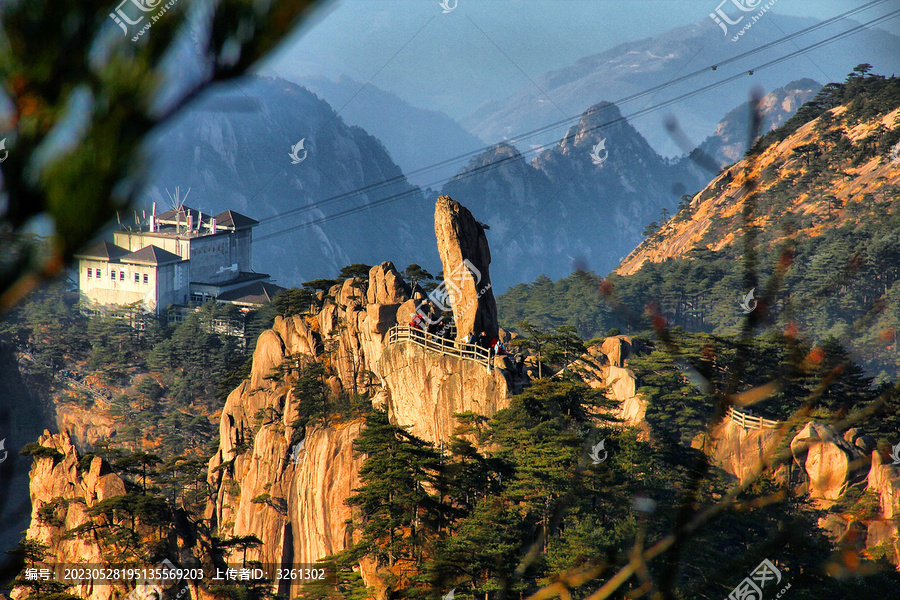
x: 441, y: 345
x: 748, y: 421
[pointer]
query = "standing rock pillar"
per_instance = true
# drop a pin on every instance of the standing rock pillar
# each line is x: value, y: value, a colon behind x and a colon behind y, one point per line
x: 466, y: 258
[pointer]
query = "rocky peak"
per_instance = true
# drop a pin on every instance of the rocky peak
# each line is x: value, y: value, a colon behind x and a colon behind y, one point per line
x: 386, y: 286
x: 729, y: 143
x: 71, y: 489
x: 466, y: 257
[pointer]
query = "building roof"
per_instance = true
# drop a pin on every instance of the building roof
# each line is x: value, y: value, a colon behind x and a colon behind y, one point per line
x: 151, y: 255
x: 103, y: 250
x: 235, y: 220
x: 172, y: 216
x: 243, y: 276
x: 259, y: 292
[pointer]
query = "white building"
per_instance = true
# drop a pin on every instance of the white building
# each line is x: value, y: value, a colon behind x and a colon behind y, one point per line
x: 179, y: 257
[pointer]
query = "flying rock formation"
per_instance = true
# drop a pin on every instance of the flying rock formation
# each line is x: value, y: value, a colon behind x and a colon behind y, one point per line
x: 466, y: 257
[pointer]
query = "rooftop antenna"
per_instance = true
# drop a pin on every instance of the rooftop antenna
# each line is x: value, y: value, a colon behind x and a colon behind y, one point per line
x: 178, y: 205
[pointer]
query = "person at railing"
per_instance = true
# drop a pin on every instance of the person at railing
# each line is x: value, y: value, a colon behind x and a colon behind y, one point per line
x: 484, y: 341
x: 469, y: 338
x: 418, y: 322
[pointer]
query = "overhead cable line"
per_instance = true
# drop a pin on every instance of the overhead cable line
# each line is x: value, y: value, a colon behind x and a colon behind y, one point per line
x: 538, y: 149
x: 568, y: 120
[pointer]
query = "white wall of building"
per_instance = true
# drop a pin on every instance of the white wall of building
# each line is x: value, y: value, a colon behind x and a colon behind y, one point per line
x: 118, y: 283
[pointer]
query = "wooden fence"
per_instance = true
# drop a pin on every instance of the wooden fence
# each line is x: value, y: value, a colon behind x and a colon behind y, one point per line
x: 748, y: 421
x: 440, y: 345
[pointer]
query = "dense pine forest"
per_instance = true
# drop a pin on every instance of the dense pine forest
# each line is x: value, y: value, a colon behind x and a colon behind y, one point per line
x: 534, y: 511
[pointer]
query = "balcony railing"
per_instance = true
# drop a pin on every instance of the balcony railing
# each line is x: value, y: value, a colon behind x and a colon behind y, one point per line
x: 441, y: 345
x: 748, y: 421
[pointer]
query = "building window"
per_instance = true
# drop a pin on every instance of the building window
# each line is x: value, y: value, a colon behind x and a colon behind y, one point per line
x: 90, y: 273
x: 146, y: 278
x: 121, y: 275
x: 98, y: 273
x: 137, y: 278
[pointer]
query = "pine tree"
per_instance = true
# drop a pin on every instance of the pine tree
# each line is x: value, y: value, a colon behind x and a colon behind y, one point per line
x: 397, y: 503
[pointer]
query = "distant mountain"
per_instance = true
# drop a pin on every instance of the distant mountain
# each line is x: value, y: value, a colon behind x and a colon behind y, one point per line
x: 232, y: 148
x: 636, y: 66
x: 561, y: 210
x: 824, y: 221
x: 415, y: 137
x: 729, y: 143
x: 823, y: 260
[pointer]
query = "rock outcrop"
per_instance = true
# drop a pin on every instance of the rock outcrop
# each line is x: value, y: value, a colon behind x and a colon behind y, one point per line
x: 618, y: 348
x: 830, y: 462
x: 736, y: 449
x: 883, y: 481
x: 288, y: 486
x: 427, y: 389
x: 290, y: 493
x: 466, y: 257
x: 294, y: 501
x: 601, y: 367
x: 386, y: 286
x: 71, y: 489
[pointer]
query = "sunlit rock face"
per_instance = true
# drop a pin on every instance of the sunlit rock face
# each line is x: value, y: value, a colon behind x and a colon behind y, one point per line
x: 291, y: 495
x: 830, y: 462
x: 466, y: 257
x: 73, y: 489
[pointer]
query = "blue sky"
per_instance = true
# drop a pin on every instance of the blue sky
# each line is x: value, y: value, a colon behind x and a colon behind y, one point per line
x: 451, y: 62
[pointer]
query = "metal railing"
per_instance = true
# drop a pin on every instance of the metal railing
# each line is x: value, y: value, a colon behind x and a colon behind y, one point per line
x: 748, y: 421
x: 441, y: 345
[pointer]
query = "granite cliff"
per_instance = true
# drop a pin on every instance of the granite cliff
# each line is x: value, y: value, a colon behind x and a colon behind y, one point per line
x: 287, y: 484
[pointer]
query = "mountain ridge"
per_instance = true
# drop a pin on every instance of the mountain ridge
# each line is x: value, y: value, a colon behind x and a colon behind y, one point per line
x: 632, y: 67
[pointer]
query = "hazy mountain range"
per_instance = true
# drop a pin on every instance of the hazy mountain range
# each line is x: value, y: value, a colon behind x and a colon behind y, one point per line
x: 232, y: 150
x: 549, y: 213
x: 550, y: 209
x: 632, y: 67
x: 415, y: 137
